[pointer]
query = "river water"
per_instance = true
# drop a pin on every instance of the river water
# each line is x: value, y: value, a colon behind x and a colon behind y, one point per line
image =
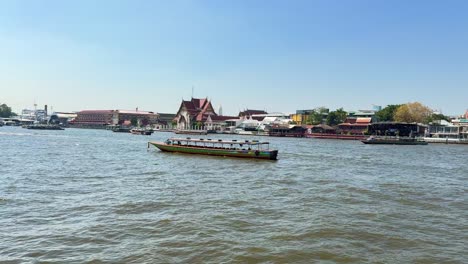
x: 78, y: 196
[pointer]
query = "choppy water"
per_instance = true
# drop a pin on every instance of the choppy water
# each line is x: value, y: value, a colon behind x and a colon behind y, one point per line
x: 95, y: 196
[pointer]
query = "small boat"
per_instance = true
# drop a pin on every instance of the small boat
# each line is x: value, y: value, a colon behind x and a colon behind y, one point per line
x: 394, y: 141
x: 121, y: 129
x: 44, y: 127
x: 239, y: 149
x: 140, y: 131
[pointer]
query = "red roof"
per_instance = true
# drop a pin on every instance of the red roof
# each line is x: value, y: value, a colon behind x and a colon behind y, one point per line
x: 136, y: 112
x: 222, y: 118
x: 364, y: 120
x: 354, y: 124
x: 96, y: 111
x: 197, y: 108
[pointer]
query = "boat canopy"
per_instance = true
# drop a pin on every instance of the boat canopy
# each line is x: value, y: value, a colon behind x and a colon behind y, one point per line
x: 219, y: 141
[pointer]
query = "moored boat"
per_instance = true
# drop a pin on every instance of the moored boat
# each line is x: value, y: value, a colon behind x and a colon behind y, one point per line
x: 446, y: 140
x: 121, y: 129
x: 191, y: 132
x: 336, y: 136
x: 239, y: 149
x: 141, y: 131
x: 394, y: 141
x: 44, y: 127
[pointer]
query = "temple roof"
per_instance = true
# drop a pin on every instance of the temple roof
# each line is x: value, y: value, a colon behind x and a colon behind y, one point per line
x: 250, y: 112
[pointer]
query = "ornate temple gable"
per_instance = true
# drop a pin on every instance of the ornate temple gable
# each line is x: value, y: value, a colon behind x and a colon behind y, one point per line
x: 194, y: 110
x: 208, y: 109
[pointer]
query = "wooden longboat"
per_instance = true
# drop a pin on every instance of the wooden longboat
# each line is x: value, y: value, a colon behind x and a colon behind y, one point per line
x: 234, y: 148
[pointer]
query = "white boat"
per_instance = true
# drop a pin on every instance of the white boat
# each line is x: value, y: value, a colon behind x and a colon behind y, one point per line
x: 446, y: 140
x: 240, y: 131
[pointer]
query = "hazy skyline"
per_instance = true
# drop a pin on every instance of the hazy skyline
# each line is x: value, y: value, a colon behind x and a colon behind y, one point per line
x: 271, y: 55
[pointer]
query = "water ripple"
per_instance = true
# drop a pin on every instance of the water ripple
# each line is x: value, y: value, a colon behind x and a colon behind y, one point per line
x: 87, y: 196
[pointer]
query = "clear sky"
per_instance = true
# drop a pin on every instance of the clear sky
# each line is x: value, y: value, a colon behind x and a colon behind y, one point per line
x: 258, y: 54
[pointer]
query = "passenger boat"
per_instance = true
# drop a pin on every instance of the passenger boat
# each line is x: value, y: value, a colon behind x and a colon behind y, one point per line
x: 239, y: 149
x: 394, y: 141
x: 140, y: 131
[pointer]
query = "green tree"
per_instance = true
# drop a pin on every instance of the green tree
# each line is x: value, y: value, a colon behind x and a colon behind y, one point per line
x: 387, y: 113
x: 134, y: 121
x: 413, y: 112
x: 336, y: 117
x: 316, y: 116
x: 5, y: 111
x: 436, y: 117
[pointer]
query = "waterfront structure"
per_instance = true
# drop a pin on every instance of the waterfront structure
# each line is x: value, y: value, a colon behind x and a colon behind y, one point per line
x: 397, y: 129
x: 322, y: 129
x: 278, y: 130
x: 252, y: 114
x: 92, y: 119
x: 355, y: 126
x: 199, y: 114
x: 218, y: 122
x: 36, y: 115
x: 142, y: 118
x: 445, y: 132
x: 194, y: 111
x: 103, y: 118
x: 301, y: 117
x: 165, y: 118
x: 361, y: 113
x: 61, y: 118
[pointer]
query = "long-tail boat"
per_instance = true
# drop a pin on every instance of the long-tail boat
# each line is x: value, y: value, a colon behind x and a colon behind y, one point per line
x: 239, y: 149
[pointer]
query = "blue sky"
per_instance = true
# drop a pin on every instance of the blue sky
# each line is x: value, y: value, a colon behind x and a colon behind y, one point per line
x: 259, y: 54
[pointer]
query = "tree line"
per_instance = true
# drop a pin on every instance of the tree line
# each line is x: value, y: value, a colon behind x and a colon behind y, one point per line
x: 410, y: 112
x: 5, y: 111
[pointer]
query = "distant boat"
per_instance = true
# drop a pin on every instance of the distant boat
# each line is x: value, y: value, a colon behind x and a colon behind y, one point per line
x: 44, y: 127
x: 234, y: 148
x: 141, y: 131
x: 394, y: 141
x: 122, y: 129
x: 336, y: 136
x: 191, y: 132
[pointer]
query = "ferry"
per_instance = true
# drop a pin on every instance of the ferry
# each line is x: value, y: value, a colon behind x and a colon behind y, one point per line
x: 238, y: 149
